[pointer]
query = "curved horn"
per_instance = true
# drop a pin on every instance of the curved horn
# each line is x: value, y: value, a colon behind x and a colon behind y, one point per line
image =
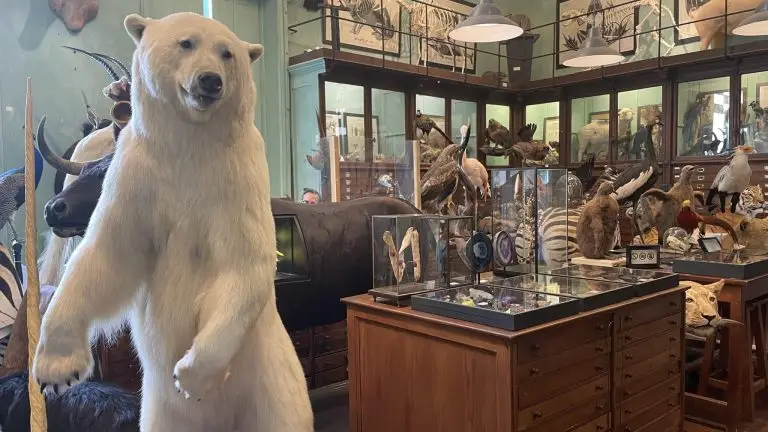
x: 52, y: 158
x: 115, y: 61
x: 101, y: 61
x: 121, y: 113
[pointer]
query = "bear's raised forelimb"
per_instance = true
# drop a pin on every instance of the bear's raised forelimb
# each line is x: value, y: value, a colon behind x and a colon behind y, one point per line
x: 226, y: 315
x: 100, y: 281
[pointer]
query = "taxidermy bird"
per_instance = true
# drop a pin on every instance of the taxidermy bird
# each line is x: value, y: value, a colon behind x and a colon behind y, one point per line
x: 668, y: 204
x: 630, y: 185
x: 444, y: 176
x: 732, y: 179
x: 527, y: 147
x: 596, y: 229
x: 757, y: 109
x: 426, y: 124
x: 322, y: 154
x: 499, y: 136
x: 689, y: 220
x: 477, y: 174
x: 12, y: 190
x: 691, y: 118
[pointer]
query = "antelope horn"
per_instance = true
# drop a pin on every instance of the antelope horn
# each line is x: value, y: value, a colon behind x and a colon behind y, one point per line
x: 56, y: 161
x: 117, y: 62
x: 121, y: 113
x: 100, y: 60
x: 320, y: 124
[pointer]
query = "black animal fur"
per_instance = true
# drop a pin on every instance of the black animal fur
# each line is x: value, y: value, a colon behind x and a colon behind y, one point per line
x: 87, y: 407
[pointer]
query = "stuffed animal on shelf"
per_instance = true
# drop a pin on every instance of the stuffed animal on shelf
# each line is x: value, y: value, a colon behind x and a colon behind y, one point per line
x: 689, y: 220
x: 596, y: 230
x: 660, y: 208
x: 732, y: 179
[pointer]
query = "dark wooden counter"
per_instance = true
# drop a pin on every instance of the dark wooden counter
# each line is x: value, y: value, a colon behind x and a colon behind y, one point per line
x: 616, y: 368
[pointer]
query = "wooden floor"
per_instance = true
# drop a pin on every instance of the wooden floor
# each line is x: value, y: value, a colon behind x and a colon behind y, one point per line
x: 331, y: 409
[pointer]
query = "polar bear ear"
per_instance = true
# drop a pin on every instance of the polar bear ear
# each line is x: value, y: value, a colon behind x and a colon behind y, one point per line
x: 255, y: 51
x: 135, y: 25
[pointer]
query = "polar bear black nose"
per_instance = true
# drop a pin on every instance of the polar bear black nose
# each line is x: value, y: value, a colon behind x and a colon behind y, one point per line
x: 210, y: 83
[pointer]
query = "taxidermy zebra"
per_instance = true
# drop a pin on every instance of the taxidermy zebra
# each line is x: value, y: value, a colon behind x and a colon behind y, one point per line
x: 370, y: 13
x: 557, y: 236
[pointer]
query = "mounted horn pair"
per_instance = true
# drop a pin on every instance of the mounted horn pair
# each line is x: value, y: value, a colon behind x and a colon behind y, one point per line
x: 56, y: 161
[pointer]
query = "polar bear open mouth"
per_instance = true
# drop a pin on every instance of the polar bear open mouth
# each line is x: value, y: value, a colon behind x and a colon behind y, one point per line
x: 198, y: 100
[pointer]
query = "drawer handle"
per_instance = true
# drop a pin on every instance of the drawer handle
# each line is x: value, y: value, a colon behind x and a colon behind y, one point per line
x: 534, y: 371
x: 629, y: 375
x: 673, y: 356
x: 628, y: 357
x: 701, y: 170
x: 599, y: 349
x: 627, y: 411
x: 600, y: 327
x: 628, y: 318
x: 599, y: 368
x: 627, y: 429
x: 536, y: 414
x: 671, y: 403
x: 627, y: 392
x: 672, y: 322
x: 672, y: 388
x: 673, y: 303
x: 600, y: 407
x: 598, y: 387
x: 670, y: 372
x: 627, y: 338
x: 672, y: 339
x: 535, y: 347
x: 598, y: 428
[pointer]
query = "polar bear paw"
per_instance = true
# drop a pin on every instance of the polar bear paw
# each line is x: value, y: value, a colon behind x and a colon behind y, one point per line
x: 195, y: 380
x: 59, y: 366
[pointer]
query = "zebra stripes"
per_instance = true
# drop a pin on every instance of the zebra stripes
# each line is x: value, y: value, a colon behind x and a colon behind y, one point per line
x: 557, y: 237
x: 10, y: 298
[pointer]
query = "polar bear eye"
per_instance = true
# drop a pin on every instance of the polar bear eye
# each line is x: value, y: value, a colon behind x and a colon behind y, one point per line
x: 185, y: 44
x: 227, y: 54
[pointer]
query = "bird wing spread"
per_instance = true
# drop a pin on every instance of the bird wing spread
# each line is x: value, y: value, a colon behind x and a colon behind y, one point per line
x: 626, y: 184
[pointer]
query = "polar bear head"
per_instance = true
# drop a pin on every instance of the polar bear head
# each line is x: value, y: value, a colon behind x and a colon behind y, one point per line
x: 195, y: 64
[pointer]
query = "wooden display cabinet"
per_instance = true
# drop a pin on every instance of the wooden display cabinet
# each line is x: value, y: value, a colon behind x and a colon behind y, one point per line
x: 616, y: 368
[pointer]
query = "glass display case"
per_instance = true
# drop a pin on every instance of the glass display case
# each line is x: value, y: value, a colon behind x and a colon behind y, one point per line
x: 292, y: 257
x: 433, y: 142
x: 731, y: 265
x: 387, y: 124
x: 753, y: 128
x: 417, y: 253
x: 590, y: 120
x: 505, y: 308
x: 591, y: 294
x: 702, y: 117
x: 636, y: 109
x: 546, y: 116
x: 529, y: 219
x: 464, y: 113
x: 500, y: 114
x: 644, y: 282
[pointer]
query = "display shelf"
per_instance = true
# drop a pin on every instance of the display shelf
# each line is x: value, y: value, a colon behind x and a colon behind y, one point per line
x: 644, y: 282
x: 730, y: 265
x: 495, y: 306
x: 591, y: 294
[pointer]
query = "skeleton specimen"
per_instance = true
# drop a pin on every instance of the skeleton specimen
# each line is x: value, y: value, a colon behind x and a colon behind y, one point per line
x: 397, y: 258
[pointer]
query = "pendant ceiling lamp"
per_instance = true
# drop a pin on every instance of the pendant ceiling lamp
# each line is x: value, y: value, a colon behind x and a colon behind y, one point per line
x: 594, y: 52
x: 756, y: 24
x: 484, y: 24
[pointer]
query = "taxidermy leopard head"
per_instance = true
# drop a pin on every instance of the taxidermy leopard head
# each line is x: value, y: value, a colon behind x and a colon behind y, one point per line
x: 751, y: 201
x: 701, y: 315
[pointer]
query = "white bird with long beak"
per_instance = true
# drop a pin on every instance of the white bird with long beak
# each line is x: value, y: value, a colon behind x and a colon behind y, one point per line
x: 475, y: 170
x: 732, y: 179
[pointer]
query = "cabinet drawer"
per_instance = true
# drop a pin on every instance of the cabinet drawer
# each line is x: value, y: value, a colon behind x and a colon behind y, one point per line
x: 339, y: 325
x: 330, y: 377
x: 635, y: 405
x: 301, y: 343
x: 645, y: 312
x: 648, y: 348
x: 649, y: 416
x: 306, y: 365
x: 637, y: 371
x: 651, y: 329
x: 635, y: 387
x: 669, y: 423
x: 545, y: 410
x: 575, y: 417
x: 562, y: 360
x: 597, y: 425
x: 330, y: 342
x: 331, y: 361
x: 556, y: 340
x: 546, y: 387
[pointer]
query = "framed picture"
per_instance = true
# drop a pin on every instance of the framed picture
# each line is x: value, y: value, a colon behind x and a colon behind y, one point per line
x: 551, y: 129
x: 353, y: 148
x: 618, y: 26
x: 762, y: 95
x: 333, y: 126
x: 599, y: 116
x: 434, y: 46
x: 686, y: 31
x: 377, y: 31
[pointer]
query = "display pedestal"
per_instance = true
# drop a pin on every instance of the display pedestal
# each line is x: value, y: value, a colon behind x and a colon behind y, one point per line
x: 614, y: 368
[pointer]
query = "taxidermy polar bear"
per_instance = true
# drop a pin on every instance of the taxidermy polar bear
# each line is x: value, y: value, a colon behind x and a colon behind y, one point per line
x: 182, y: 241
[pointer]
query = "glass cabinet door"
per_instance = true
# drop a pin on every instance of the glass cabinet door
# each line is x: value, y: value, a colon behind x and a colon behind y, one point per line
x: 344, y: 119
x: 464, y: 113
x: 702, y: 117
x: 432, y: 108
x: 501, y: 114
x: 636, y: 109
x: 388, y: 124
x: 753, y: 128
x: 590, y: 118
x: 546, y: 117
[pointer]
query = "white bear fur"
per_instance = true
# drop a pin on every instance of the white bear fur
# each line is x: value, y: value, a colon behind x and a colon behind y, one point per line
x: 182, y: 241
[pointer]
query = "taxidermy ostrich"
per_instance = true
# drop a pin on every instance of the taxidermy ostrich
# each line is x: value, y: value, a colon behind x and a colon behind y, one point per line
x: 630, y: 185
x: 732, y: 179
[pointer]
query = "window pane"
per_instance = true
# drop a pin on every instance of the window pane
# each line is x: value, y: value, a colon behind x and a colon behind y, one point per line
x: 546, y: 117
x: 388, y: 124
x: 500, y: 113
x: 753, y: 122
x: 589, y: 126
x: 702, y: 117
x: 344, y: 118
x: 636, y: 109
x: 461, y: 113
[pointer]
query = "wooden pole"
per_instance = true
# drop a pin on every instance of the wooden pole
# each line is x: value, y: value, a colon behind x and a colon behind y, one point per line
x: 38, y: 421
x: 335, y: 175
x: 416, y: 149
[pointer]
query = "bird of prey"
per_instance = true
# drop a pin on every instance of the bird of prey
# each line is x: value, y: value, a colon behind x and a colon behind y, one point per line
x: 527, y: 147
x: 497, y: 137
x: 425, y: 124
x: 12, y: 190
x: 444, y: 176
x: 732, y: 179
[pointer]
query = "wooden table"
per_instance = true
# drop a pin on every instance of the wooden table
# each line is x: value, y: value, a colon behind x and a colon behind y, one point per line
x: 616, y: 368
x: 738, y: 294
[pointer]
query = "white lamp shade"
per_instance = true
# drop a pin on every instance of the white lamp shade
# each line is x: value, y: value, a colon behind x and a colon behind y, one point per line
x: 756, y: 24
x: 594, y: 52
x: 485, y: 24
